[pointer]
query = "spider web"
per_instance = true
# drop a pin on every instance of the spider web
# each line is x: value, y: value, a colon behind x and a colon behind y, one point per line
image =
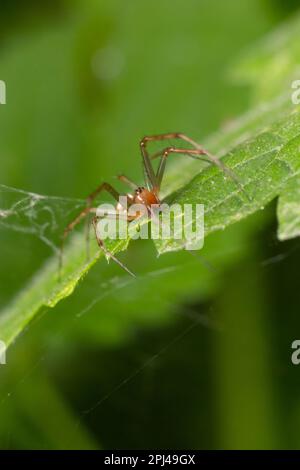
x: 34, y: 214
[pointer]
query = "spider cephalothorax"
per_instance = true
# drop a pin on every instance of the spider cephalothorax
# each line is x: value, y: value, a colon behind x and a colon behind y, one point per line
x: 146, y: 197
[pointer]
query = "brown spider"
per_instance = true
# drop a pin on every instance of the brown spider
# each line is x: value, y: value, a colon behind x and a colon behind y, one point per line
x: 147, y: 195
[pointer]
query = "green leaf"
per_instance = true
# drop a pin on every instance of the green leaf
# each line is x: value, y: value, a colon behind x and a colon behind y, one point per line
x: 271, y: 66
x: 262, y: 148
x: 263, y: 165
x: 48, y: 287
x: 288, y: 210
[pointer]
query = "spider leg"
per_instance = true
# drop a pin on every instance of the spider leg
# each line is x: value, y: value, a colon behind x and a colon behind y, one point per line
x: 84, y: 213
x: 171, y: 135
x: 163, y: 154
x: 91, y: 197
x: 174, y: 135
x: 105, y: 250
x: 150, y: 177
x: 198, y: 154
x: 103, y: 187
x: 147, y: 159
x: 201, y: 151
x: 127, y: 181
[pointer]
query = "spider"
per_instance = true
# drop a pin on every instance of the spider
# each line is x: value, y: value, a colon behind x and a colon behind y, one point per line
x: 147, y: 195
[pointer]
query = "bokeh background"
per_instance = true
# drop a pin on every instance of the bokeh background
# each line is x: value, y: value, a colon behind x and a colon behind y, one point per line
x: 196, y: 354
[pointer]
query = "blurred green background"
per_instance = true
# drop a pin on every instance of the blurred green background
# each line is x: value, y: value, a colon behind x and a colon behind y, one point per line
x: 188, y: 356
